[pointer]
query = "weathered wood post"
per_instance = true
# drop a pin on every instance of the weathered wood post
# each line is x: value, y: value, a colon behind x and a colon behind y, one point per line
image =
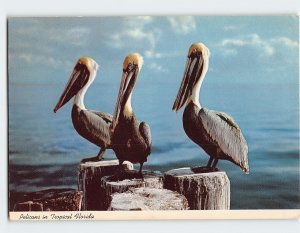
x: 89, y: 177
x: 28, y: 206
x: 204, y: 191
x: 47, y: 200
x: 151, y: 180
x: 148, y: 199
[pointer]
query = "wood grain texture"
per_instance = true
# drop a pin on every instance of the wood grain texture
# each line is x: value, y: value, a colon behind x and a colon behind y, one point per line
x: 151, y: 180
x: 204, y: 191
x: 148, y: 199
x: 47, y: 200
x: 89, y: 177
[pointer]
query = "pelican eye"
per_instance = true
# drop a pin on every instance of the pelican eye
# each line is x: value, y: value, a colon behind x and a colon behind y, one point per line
x: 130, y: 67
x: 195, y: 53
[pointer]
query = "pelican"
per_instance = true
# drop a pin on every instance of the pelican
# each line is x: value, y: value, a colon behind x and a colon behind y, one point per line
x: 91, y: 125
x: 216, y: 132
x: 131, y: 139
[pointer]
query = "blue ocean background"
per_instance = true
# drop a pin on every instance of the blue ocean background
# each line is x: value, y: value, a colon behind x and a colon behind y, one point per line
x: 45, y: 150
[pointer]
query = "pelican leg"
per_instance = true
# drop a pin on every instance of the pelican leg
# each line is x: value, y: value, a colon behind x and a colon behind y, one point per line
x: 209, y: 161
x: 118, y: 174
x: 121, y: 165
x: 141, y: 167
x: 204, y: 169
x: 97, y: 158
x: 140, y: 174
x: 214, y: 165
x: 101, y: 154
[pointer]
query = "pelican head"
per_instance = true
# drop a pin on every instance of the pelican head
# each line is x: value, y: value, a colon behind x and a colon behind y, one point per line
x: 195, y: 70
x: 82, y: 76
x: 131, y: 67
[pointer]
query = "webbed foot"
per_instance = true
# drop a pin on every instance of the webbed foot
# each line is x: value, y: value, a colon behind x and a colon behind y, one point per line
x: 92, y: 159
x: 204, y: 169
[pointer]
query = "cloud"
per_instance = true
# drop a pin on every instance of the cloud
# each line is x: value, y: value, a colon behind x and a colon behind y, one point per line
x: 54, y: 42
x: 287, y: 42
x: 266, y: 47
x: 134, y: 32
x: 251, y: 53
x: 234, y: 42
x: 26, y: 57
x: 122, y: 39
x: 143, y: 35
x: 40, y: 43
x: 156, y: 67
x: 77, y: 36
x: 182, y: 24
x: 32, y: 59
x: 229, y: 52
x: 152, y: 54
x: 230, y: 46
x: 47, y: 30
x: 138, y: 33
x: 140, y: 20
x: 231, y: 27
x: 160, y: 55
x: 26, y: 31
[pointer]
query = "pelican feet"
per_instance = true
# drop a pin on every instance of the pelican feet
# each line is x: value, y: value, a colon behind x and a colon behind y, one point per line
x: 92, y: 159
x: 204, y: 169
x: 97, y: 158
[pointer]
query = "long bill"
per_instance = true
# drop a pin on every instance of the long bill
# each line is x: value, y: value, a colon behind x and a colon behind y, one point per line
x: 192, y: 74
x: 127, y: 83
x: 77, y: 80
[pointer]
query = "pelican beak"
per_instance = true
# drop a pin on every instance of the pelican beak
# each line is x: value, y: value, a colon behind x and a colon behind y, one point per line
x: 78, y: 80
x: 129, y: 76
x: 192, y: 73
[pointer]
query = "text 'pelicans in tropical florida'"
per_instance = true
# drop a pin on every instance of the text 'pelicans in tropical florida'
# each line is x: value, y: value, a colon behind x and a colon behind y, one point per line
x: 92, y: 125
x: 216, y: 132
x: 131, y: 139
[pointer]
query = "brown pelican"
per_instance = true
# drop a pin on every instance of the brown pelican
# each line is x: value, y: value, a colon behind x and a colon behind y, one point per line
x: 216, y: 132
x: 92, y: 125
x: 131, y: 139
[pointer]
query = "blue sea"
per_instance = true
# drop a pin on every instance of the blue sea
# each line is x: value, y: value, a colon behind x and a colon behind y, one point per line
x: 45, y: 150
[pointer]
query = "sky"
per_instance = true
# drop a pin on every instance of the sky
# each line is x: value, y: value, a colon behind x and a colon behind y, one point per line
x: 246, y: 49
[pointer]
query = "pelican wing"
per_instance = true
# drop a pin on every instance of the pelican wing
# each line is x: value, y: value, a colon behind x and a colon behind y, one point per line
x: 226, y: 133
x: 228, y: 119
x: 144, y: 129
x: 105, y: 116
x: 96, y: 124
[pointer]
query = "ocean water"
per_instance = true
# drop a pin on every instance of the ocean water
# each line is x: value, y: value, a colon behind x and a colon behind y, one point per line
x: 45, y: 150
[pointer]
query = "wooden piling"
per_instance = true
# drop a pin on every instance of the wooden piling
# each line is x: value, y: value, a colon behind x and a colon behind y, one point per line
x: 146, y: 198
x: 150, y: 180
x: 89, y: 177
x: 46, y: 200
x: 28, y: 206
x: 204, y: 191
